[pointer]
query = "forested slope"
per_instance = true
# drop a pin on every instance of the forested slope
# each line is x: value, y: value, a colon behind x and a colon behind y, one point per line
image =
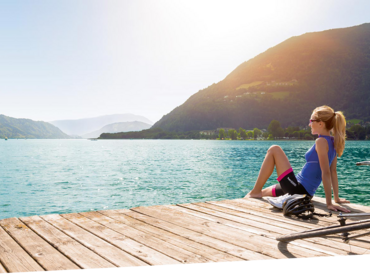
x: 286, y: 83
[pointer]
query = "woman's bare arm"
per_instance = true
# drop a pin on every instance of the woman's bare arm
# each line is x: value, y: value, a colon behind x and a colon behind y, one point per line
x: 322, y: 152
x: 334, y: 182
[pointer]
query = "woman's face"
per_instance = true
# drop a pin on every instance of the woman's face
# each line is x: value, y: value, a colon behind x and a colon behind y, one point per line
x: 316, y: 126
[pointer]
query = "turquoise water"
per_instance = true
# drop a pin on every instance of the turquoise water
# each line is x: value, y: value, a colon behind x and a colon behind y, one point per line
x: 40, y: 177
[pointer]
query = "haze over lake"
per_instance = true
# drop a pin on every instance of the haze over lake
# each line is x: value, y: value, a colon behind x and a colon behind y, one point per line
x: 62, y: 176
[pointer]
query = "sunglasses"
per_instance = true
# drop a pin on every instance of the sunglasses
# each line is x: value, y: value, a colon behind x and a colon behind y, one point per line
x: 311, y: 121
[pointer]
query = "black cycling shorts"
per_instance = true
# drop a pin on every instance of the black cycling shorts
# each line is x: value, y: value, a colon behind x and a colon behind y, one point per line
x: 288, y: 184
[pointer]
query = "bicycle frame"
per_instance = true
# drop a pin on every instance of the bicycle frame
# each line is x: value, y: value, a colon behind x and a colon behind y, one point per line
x: 342, y: 220
x: 343, y: 228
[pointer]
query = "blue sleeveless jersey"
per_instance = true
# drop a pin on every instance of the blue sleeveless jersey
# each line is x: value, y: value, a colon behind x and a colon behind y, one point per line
x: 310, y: 175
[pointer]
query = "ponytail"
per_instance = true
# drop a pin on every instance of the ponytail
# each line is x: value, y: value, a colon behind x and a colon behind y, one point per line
x: 339, y: 132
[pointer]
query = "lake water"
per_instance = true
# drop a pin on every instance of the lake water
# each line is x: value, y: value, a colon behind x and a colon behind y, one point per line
x: 40, y: 177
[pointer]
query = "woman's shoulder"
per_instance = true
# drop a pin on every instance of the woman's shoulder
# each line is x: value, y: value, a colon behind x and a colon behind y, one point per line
x: 320, y: 140
x: 321, y: 143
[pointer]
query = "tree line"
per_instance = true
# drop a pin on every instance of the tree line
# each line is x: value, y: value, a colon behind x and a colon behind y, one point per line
x: 153, y: 133
x: 358, y: 132
x: 274, y: 131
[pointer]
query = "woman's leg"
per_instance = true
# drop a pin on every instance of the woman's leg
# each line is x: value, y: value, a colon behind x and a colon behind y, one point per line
x: 275, y: 157
x: 267, y: 191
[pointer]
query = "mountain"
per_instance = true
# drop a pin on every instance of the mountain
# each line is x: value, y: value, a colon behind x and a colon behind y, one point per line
x: 286, y: 83
x: 118, y: 127
x: 84, y: 126
x: 25, y: 128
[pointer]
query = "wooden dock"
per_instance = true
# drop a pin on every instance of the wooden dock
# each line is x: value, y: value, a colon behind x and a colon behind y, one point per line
x: 214, y: 231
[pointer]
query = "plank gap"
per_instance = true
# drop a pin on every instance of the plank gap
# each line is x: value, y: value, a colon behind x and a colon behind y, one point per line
x: 81, y: 243
x: 16, y: 241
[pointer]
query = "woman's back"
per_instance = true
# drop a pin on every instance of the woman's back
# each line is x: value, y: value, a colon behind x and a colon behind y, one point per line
x: 310, y: 175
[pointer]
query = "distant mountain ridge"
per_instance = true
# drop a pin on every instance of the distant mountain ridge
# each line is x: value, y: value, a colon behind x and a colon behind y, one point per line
x: 118, y: 127
x: 285, y: 83
x: 84, y: 126
x: 26, y: 128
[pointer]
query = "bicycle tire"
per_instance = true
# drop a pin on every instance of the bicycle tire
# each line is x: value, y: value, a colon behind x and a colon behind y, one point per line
x: 322, y: 232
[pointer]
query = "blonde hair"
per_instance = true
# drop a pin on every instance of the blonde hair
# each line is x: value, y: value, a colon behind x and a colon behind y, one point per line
x: 335, y: 122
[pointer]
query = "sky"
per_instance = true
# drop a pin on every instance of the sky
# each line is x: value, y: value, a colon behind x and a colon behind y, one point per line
x: 73, y: 59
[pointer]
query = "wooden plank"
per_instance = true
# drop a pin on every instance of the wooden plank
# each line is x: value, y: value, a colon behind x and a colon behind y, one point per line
x: 122, y: 241
x: 362, y: 242
x: 356, y: 208
x: 321, y: 205
x: 78, y: 253
x: 194, y: 236
x: 179, y: 241
x: 94, y: 243
x: 235, y: 236
x: 263, y: 220
x: 224, y: 215
x: 276, y: 213
x: 319, y: 222
x: 178, y: 253
x: 175, y: 252
x: 318, y: 202
x: 2, y: 269
x: 271, y: 213
x: 47, y: 256
x: 13, y: 257
x: 264, y: 230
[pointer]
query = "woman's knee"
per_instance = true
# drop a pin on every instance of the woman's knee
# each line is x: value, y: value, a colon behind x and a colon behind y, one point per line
x: 275, y: 148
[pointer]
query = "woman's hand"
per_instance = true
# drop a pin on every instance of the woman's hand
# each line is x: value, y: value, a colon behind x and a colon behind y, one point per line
x: 341, y: 200
x: 333, y: 207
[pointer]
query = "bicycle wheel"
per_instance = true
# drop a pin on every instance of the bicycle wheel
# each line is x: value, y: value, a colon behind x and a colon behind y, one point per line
x: 323, y: 232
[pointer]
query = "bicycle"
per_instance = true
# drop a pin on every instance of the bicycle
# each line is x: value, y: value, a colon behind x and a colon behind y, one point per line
x: 343, y: 228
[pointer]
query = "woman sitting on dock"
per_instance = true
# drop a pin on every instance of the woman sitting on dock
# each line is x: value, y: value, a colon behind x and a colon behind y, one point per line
x: 321, y: 162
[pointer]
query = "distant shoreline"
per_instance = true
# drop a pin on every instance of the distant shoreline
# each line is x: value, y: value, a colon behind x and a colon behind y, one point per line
x: 96, y: 139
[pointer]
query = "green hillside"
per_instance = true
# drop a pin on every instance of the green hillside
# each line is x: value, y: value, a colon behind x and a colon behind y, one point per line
x: 25, y: 128
x: 286, y: 83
